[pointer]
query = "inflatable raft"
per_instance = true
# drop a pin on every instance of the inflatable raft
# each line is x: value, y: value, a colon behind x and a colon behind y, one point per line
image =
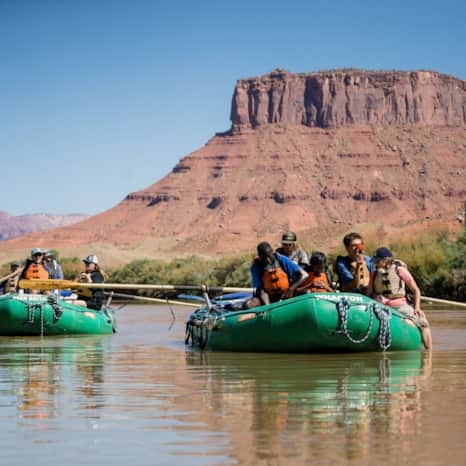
x: 316, y: 322
x: 36, y: 314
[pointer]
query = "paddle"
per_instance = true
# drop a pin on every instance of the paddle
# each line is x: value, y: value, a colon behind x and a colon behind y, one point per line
x: 443, y: 301
x: 154, y: 300
x: 64, y: 284
x: 10, y: 275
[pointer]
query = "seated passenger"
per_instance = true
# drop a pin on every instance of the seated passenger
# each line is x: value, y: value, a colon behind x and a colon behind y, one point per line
x: 51, y: 264
x: 35, y: 270
x: 319, y: 278
x: 388, y: 286
x: 92, y: 274
x: 274, y: 277
x: 291, y: 249
x: 11, y: 284
x: 354, y: 269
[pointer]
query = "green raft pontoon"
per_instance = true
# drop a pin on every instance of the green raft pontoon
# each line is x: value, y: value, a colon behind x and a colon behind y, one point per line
x: 316, y: 322
x: 35, y: 314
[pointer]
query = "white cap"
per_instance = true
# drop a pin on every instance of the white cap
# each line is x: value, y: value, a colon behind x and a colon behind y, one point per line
x: 91, y: 260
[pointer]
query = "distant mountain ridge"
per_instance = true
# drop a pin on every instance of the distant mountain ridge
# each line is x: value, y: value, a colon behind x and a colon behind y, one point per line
x: 12, y: 226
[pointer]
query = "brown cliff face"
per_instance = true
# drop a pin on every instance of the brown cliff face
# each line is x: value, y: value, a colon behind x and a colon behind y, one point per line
x: 348, y: 97
x: 318, y: 154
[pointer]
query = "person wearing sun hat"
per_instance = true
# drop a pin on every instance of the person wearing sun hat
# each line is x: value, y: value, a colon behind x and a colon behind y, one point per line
x: 291, y: 249
x: 92, y: 274
x: 389, y: 283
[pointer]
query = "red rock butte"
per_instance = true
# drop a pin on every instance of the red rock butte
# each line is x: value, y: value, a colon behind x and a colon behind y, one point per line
x: 319, y: 153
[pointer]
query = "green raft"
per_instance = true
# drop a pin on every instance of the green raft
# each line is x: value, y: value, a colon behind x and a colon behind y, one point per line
x: 316, y: 322
x: 35, y: 314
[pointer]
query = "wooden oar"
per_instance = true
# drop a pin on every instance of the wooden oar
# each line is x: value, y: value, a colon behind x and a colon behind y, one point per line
x: 65, y: 284
x: 10, y: 275
x: 443, y: 301
x: 154, y: 300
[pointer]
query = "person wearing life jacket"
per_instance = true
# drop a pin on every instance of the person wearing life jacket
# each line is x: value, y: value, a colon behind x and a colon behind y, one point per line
x: 35, y: 270
x: 354, y: 269
x: 10, y: 285
x: 92, y: 274
x: 319, y: 279
x: 274, y: 276
x: 291, y: 249
x: 389, y: 283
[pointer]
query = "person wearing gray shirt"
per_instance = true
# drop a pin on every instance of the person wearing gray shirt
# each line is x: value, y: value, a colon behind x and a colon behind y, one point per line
x: 291, y: 249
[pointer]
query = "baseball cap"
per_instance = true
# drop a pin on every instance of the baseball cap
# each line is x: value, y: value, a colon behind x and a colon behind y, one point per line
x: 91, y: 260
x: 289, y: 238
x: 381, y: 253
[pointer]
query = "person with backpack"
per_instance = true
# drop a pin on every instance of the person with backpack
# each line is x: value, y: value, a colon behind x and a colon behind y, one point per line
x: 274, y: 276
x: 390, y: 282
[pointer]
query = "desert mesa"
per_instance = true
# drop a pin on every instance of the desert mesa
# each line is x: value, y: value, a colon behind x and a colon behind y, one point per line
x: 318, y: 153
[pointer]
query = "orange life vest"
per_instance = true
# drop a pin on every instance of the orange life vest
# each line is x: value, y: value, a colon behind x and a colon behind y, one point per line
x: 312, y: 283
x: 274, y: 278
x: 36, y: 272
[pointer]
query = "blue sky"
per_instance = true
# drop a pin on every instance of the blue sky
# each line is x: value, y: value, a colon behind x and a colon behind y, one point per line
x: 101, y: 98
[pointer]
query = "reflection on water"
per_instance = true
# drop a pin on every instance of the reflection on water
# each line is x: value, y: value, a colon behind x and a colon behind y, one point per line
x: 319, y: 398
x: 40, y: 370
x: 140, y: 397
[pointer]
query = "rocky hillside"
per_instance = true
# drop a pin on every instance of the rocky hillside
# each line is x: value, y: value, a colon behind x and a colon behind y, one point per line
x: 318, y: 153
x: 12, y: 226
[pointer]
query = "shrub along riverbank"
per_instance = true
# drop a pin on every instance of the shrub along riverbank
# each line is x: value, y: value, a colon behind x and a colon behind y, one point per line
x: 438, y: 263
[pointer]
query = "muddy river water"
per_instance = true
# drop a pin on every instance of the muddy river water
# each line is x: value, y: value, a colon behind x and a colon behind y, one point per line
x: 140, y: 397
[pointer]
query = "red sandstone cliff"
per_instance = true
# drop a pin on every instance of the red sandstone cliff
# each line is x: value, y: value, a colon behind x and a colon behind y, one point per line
x: 340, y: 98
x: 317, y: 153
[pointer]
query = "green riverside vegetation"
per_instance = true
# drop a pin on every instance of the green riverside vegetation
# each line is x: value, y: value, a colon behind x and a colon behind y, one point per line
x: 437, y: 262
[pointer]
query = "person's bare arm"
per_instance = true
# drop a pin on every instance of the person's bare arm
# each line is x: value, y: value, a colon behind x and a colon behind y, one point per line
x: 302, y: 277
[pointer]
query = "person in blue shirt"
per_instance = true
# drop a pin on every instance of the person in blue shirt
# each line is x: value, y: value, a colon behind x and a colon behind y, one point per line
x: 52, y: 265
x: 274, y: 276
x: 354, y: 270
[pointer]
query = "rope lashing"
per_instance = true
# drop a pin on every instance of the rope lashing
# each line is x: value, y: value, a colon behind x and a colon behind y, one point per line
x: 343, y: 307
x: 31, y: 310
x: 57, y: 309
x: 385, y: 337
x: 383, y: 314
